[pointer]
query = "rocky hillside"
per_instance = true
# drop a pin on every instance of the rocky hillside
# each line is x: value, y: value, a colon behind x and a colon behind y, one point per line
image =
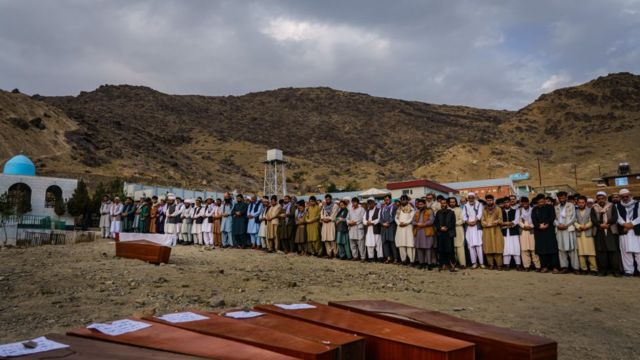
x: 328, y: 135
x: 594, y: 126
x: 36, y: 129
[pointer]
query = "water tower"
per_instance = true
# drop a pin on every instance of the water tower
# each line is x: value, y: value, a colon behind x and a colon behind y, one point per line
x: 275, y: 182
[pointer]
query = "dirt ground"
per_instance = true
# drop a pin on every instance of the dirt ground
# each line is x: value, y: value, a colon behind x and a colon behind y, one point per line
x: 54, y: 288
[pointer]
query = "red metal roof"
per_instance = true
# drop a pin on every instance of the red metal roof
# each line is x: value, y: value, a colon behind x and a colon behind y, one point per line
x: 418, y: 183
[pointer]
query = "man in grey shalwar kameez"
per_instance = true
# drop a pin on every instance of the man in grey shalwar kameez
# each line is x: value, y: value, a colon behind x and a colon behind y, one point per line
x: 566, y: 233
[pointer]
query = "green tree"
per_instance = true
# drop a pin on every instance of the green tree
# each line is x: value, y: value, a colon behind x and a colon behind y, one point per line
x: 80, y: 201
x: 331, y: 188
x: 351, y: 186
x: 99, y: 192
x: 116, y: 188
x: 23, y: 204
x: 6, y: 210
x: 60, y: 207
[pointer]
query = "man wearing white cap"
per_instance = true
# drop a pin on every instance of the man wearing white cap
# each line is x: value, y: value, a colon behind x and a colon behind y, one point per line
x: 116, y: 217
x: 207, y: 223
x: 371, y: 222
x: 172, y: 219
x: 356, y: 230
x: 629, y: 221
x: 105, y: 216
x: 566, y: 233
x: 179, y: 210
x: 404, y: 234
x: 605, y: 224
x: 584, y: 237
x: 198, y: 219
x: 187, y: 221
x: 472, y: 216
x: 253, y: 224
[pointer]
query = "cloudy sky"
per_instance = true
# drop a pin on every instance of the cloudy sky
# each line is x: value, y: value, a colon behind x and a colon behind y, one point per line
x: 494, y: 54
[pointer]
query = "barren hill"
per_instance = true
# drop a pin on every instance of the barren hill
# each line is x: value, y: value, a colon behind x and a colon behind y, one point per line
x: 328, y: 135
x: 594, y: 126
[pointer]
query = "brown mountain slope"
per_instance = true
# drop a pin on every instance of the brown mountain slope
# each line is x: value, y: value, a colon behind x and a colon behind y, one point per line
x: 594, y: 125
x: 328, y: 135
x: 36, y: 129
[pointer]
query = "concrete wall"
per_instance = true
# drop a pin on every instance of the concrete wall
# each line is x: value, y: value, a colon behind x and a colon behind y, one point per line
x: 39, y: 185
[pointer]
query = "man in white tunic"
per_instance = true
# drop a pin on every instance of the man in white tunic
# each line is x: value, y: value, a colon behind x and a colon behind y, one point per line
x: 356, y: 230
x: 253, y: 225
x: 198, y: 219
x: 472, y: 216
x: 173, y: 217
x: 187, y: 223
x: 566, y: 233
x: 404, y: 234
x: 629, y: 221
x: 105, y: 217
x: 371, y: 222
x: 511, y: 234
x: 180, y: 209
x: 207, y: 223
x: 116, y: 217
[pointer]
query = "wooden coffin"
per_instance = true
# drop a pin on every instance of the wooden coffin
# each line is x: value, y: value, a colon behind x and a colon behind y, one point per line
x: 492, y: 342
x: 81, y: 348
x: 350, y: 345
x: 244, y: 332
x: 143, y: 250
x: 173, y: 339
x: 384, y: 339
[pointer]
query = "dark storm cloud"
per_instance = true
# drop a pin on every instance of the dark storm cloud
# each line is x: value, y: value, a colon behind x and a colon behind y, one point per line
x: 481, y: 53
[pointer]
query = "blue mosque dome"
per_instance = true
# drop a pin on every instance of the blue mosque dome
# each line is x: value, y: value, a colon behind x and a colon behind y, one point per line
x: 19, y: 165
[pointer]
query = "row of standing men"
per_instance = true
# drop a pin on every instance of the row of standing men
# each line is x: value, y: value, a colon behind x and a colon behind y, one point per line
x: 548, y: 235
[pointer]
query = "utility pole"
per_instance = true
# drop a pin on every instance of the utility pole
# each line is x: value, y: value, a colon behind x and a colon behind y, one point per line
x: 539, y: 172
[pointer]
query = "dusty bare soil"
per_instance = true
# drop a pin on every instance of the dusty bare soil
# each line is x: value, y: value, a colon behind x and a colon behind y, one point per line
x: 53, y: 288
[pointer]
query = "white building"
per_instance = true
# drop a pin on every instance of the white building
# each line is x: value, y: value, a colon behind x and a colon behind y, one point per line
x: 19, y: 178
x: 419, y: 188
x: 137, y: 191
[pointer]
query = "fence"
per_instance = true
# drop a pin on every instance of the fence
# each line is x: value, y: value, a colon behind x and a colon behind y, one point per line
x: 32, y: 238
x: 33, y: 221
x: 27, y: 238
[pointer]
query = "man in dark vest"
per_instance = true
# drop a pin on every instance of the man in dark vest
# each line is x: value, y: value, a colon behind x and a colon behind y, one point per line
x: 511, y: 234
x: 388, y: 231
x: 372, y: 226
x: 286, y: 225
x: 629, y: 222
x: 604, y: 218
